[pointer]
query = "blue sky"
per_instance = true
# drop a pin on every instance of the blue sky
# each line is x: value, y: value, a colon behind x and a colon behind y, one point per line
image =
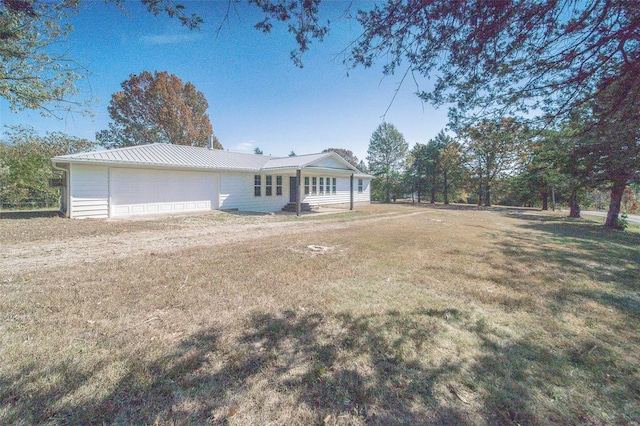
x: 257, y: 97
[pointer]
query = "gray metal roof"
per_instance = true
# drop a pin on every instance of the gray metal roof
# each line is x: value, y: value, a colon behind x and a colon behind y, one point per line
x: 182, y: 156
x: 168, y: 155
x: 295, y: 161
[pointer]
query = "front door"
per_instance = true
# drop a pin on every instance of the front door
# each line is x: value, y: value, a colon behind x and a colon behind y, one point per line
x: 293, y: 189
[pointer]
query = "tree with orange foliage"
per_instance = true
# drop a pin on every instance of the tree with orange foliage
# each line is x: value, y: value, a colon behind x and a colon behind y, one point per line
x: 157, y: 108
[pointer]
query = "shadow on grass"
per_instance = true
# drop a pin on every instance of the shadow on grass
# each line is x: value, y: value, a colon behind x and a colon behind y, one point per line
x: 573, y: 252
x: 203, y: 381
x: 378, y: 369
x: 578, y: 248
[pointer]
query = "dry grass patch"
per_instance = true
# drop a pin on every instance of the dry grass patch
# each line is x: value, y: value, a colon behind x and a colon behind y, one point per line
x: 387, y: 315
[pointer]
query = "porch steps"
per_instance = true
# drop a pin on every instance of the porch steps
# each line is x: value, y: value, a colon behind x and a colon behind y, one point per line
x: 291, y: 207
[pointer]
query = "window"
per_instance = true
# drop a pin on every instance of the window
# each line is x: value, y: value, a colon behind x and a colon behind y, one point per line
x: 333, y: 191
x: 359, y: 186
x: 314, y: 185
x: 306, y: 185
x: 321, y: 186
x: 328, y: 187
x: 269, y: 186
x: 257, y: 183
x: 278, y: 185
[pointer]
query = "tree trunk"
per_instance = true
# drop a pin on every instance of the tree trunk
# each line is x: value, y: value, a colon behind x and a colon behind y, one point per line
x: 574, y: 207
x: 487, y: 193
x: 614, y: 206
x: 545, y: 199
x: 446, y: 189
x: 480, y: 193
x: 388, y: 191
x: 433, y: 190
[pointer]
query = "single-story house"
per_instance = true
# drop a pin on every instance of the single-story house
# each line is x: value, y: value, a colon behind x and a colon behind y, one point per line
x: 165, y: 178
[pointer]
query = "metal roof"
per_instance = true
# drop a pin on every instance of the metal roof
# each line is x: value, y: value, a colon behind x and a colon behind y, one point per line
x: 294, y: 162
x: 182, y: 156
x: 168, y: 155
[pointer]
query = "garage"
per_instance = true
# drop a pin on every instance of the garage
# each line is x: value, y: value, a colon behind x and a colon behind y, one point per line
x: 149, y: 191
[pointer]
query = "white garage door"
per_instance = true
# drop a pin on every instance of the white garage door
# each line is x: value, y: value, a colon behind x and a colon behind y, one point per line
x: 150, y: 191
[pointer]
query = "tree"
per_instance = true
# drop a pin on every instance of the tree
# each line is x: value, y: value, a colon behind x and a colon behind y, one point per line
x: 346, y: 154
x: 435, y: 165
x: 25, y: 165
x: 494, y: 149
x: 292, y: 153
x: 386, y: 155
x: 157, y: 108
x: 610, y: 141
x: 418, y: 157
x: 32, y: 74
x: 546, y: 57
x: 258, y: 151
x: 36, y: 73
x: 450, y: 162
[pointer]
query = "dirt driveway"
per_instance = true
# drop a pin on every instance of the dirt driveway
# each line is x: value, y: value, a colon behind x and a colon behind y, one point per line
x: 31, y: 244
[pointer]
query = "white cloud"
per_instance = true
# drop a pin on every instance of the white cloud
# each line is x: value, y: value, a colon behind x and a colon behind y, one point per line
x: 243, y: 147
x: 169, y: 39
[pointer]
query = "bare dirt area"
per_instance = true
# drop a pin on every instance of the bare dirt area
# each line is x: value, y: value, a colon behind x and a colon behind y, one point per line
x: 30, y: 244
x: 391, y: 314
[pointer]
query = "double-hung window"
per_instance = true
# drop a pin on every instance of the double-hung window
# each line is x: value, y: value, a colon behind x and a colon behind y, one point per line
x: 333, y: 190
x: 278, y: 185
x: 314, y: 185
x: 257, y: 185
x: 360, y: 186
x: 321, y: 188
x: 269, y: 186
x: 306, y: 185
x: 327, y: 188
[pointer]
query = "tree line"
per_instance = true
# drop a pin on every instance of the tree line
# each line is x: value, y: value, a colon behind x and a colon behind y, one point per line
x: 509, y: 162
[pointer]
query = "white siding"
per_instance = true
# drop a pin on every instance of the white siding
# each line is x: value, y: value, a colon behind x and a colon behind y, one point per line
x: 330, y: 163
x: 343, y: 191
x: 149, y: 191
x: 237, y: 192
x: 341, y: 196
x: 365, y: 196
x: 89, y: 192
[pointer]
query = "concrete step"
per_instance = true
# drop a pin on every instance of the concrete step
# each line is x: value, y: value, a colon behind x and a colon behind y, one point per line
x: 291, y: 207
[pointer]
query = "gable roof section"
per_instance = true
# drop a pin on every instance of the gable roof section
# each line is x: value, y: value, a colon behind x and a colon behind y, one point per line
x: 325, y: 160
x: 181, y: 156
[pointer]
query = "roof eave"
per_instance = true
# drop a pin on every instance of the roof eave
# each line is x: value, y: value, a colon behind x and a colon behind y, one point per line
x: 59, y: 160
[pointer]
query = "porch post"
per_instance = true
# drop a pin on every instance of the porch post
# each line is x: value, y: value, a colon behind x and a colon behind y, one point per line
x: 351, y: 192
x: 299, y: 196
